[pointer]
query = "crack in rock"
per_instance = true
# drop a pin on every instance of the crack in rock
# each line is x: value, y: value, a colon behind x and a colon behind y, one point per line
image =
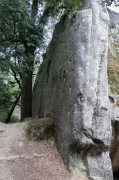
x: 19, y: 157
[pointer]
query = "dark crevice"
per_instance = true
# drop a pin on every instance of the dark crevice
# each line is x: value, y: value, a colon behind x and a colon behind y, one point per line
x: 111, y: 99
x: 98, y: 141
x: 116, y: 175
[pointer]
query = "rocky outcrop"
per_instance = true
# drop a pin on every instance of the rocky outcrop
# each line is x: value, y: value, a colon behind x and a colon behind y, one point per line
x: 72, y: 87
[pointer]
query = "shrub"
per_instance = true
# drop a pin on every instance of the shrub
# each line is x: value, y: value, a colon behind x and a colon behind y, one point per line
x: 40, y: 130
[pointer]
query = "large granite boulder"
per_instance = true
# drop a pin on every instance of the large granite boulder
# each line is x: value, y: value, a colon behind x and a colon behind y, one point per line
x: 72, y: 88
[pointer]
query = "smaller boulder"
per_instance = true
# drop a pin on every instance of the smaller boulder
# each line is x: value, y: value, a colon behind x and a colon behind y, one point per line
x: 40, y: 129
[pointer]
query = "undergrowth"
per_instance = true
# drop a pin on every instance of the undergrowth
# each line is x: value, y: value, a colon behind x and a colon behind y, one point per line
x: 3, y: 116
x: 38, y: 131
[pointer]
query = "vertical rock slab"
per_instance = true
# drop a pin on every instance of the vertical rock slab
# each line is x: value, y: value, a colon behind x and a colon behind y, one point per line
x: 72, y: 87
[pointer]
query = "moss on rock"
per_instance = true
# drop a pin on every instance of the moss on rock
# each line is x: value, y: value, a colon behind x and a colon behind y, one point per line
x: 41, y: 129
x: 113, y: 68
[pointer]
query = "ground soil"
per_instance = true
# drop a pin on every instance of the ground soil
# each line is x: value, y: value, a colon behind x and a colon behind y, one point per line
x: 22, y: 159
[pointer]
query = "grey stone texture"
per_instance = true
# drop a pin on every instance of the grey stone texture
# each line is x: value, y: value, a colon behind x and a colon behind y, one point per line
x: 72, y: 88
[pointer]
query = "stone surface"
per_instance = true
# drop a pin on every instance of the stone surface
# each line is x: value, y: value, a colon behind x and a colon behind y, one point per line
x: 72, y: 88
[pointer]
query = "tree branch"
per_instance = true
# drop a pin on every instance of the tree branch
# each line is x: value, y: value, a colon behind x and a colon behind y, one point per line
x: 15, y: 76
x: 7, y: 120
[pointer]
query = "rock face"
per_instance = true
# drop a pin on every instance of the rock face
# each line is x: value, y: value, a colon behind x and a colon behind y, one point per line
x: 72, y: 88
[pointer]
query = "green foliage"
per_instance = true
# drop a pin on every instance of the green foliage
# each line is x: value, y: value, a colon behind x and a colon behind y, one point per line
x: 3, y: 116
x: 8, y: 90
x: 73, y: 13
x: 40, y: 131
x: 8, y: 93
x: 18, y: 30
x: 14, y: 119
x: 13, y: 17
x: 5, y: 95
x: 69, y: 6
x: 44, y: 55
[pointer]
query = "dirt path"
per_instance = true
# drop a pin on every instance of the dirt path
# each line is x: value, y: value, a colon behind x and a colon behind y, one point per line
x: 21, y: 159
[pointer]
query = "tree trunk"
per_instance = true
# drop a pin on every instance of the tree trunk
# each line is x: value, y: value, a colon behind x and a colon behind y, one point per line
x: 26, y: 92
x: 7, y: 120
